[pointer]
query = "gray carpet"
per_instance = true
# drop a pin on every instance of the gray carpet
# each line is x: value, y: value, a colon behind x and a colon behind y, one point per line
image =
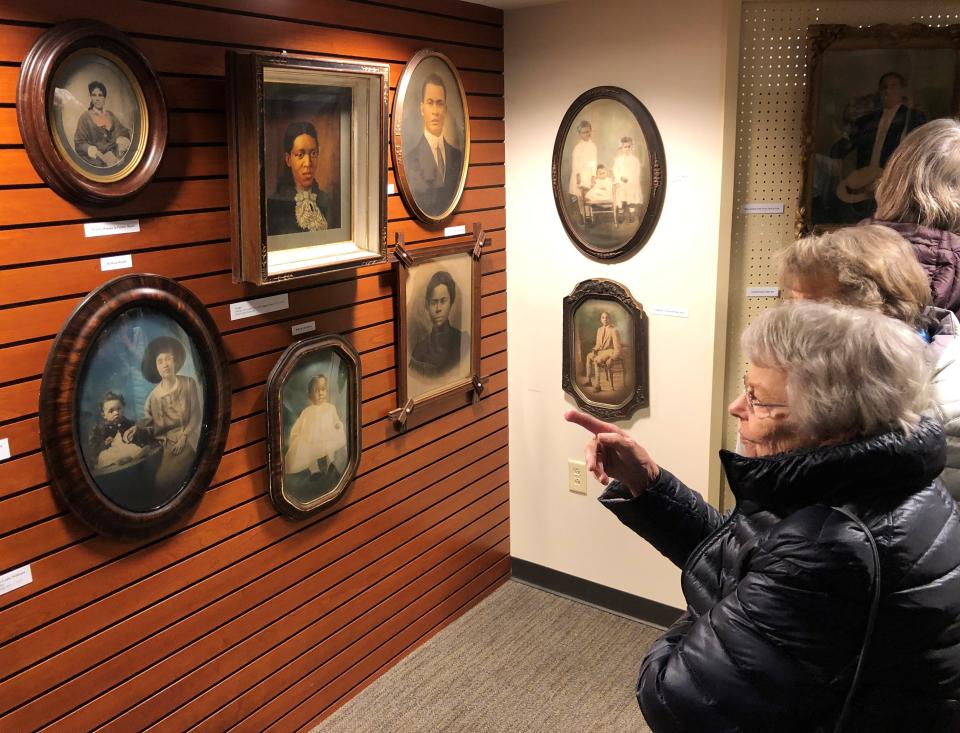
x: 521, y: 660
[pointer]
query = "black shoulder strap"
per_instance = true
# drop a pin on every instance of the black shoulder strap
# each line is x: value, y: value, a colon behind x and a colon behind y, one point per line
x: 871, y: 619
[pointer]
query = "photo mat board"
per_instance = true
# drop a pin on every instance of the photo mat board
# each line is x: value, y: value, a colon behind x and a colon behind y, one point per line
x: 97, y: 115
x: 869, y: 88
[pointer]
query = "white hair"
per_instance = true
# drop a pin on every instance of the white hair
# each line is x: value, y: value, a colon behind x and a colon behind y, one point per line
x: 850, y: 372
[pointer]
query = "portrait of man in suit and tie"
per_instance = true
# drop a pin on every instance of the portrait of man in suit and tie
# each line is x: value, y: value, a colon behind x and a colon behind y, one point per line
x: 433, y: 139
x: 869, y: 88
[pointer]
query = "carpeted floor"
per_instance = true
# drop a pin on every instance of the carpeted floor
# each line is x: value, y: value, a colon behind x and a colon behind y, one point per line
x: 522, y: 660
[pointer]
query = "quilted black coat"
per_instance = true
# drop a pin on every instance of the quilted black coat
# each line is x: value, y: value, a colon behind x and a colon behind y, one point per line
x: 779, y: 592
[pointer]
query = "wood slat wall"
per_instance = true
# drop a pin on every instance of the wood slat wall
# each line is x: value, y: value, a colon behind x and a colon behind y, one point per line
x: 239, y: 618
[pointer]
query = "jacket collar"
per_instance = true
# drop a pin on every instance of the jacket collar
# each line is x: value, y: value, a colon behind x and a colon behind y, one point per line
x: 889, y: 463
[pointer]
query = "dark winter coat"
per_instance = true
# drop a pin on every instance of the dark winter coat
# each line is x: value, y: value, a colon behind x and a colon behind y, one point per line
x: 779, y: 593
x: 939, y: 254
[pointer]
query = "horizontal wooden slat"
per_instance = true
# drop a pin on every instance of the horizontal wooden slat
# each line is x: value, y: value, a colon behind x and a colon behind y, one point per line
x: 348, y: 15
x: 237, y: 616
x: 238, y: 570
x: 438, y: 607
x: 454, y: 8
x: 32, y: 322
x: 294, y: 583
x: 243, y: 461
x: 145, y: 18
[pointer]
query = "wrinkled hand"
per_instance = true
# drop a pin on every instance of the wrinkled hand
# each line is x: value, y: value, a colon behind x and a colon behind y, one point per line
x: 612, y: 454
x: 129, y: 434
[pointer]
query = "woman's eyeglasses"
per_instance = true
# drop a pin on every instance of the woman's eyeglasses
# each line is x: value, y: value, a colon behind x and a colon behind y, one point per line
x: 756, y: 407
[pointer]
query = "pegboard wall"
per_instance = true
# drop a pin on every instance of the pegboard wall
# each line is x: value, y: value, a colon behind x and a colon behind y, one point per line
x: 771, y: 98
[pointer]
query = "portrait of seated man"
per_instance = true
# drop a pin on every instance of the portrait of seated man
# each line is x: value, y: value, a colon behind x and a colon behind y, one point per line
x: 438, y: 351
x: 607, y: 347
x: 873, y: 136
x: 432, y: 165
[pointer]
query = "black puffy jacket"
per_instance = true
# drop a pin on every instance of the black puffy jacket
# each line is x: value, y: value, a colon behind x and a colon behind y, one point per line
x: 779, y: 592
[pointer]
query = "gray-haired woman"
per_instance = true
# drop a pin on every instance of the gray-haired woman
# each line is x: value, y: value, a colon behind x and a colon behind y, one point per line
x: 874, y: 267
x: 918, y: 196
x: 780, y: 593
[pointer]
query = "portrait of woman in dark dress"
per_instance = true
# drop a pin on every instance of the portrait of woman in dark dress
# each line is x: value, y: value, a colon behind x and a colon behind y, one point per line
x: 101, y: 139
x: 298, y: 204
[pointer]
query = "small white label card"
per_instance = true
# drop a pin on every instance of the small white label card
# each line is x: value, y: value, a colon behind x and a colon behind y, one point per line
x: 108, y: 228
x: 303, y: 328
x: 15, y: 579
x: 259, y: 306
x: 116, y: 262
x: 762, y: 209
x: 4, y: 449
x: 455, y: 231
x: 764, y: 291
x: 391, y: 189
x: 670, y: 310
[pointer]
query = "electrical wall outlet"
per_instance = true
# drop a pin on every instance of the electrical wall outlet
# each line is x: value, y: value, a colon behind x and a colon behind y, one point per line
x: 577, y: 477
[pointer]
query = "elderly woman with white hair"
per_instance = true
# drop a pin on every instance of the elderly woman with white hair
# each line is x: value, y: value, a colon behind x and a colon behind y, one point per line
x: 828, y: 599
x: 918, y: 196
x: 874, y: 267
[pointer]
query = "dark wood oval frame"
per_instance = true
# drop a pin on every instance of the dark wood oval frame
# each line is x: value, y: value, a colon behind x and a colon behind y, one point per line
x: 58, y: 391
x: 36, y: 75
x: 658, y: 165
x: 396, y: 143
x: 278, y: 377
x: 613, y: 291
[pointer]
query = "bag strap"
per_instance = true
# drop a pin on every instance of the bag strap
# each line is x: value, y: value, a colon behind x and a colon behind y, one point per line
x: 871, y: 619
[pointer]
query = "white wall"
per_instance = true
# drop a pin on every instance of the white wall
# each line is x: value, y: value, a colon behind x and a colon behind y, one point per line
x: 671, y: 56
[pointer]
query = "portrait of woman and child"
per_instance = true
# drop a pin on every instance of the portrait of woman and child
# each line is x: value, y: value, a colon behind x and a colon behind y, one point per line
x: 141, y: 400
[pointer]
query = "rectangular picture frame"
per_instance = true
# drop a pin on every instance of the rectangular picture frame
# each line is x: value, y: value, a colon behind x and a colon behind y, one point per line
x: 852, y: 72
x: 438, y: 365
x: 307, y: 141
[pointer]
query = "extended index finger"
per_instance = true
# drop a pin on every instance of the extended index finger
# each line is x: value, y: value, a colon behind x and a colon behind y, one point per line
x: 589, y: 422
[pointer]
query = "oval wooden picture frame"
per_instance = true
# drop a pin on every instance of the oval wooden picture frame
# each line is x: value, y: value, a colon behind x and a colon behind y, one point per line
x: 278, y: 448
x: 60, y: 392
x: 412, y: 157
x: 35, y: 96
x: 654, y: 194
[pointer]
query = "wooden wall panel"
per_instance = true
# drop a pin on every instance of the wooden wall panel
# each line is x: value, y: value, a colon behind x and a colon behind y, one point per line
x: 238, y: 616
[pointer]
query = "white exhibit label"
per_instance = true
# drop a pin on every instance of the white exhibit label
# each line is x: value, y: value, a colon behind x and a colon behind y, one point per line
x: 391, y: 189
x: 762, y: 209
x: 4, y: 449
x: 117, y: 262
x: 108, y: 228
x: 669, y: 310
x: 259, y: 306
x: 303, y: 328
x: 455, y: 231
x: 763, y: 292
x: 15, y: 579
